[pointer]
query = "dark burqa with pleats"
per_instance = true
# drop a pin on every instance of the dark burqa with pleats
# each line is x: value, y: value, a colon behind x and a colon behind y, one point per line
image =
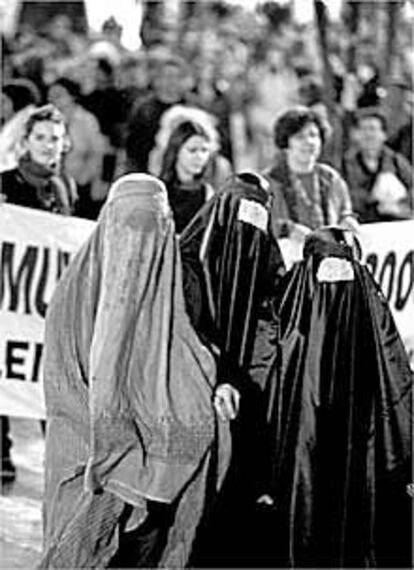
x: 341, y: 417
x: 231, y: 265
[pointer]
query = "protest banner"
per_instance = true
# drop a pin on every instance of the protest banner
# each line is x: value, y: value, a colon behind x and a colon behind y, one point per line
x: 388, y: 249
x: 37, y: 246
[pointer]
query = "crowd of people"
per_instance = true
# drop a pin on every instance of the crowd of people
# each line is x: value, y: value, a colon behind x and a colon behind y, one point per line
x: 118, y: 100
x: 213, y: 412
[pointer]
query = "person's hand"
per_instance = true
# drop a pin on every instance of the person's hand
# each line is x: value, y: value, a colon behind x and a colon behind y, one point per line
x: 226, y: 402
x: 291, y: 247
x: 265, y: 500
x: 350, y: 223
x: 299, y: 232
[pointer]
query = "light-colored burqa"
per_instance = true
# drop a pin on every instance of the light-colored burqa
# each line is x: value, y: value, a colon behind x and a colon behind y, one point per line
x: 128, y: 387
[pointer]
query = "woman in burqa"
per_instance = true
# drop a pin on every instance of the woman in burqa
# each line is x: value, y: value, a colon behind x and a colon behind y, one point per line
x: 131, y: 429
x: 322, y: 443
x: 340, y: 416
x: 231, y: 265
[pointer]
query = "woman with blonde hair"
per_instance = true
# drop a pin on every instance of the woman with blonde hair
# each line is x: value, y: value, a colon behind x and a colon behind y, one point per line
x: 39, y: 180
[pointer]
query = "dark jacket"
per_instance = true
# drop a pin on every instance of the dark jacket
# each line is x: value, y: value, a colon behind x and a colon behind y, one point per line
x: 141, y: 131
x: 361, y: 181
x: 56, y: 195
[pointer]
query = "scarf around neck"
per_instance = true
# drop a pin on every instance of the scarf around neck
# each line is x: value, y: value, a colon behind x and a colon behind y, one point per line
x: 304, y: 209
x: 51, y: 188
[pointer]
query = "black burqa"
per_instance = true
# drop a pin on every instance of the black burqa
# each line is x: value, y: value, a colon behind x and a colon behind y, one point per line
x: 341, y: 417
x: 231, y: 265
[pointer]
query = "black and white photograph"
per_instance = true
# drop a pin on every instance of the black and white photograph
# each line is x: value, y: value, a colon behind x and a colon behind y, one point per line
x: 206, y: 284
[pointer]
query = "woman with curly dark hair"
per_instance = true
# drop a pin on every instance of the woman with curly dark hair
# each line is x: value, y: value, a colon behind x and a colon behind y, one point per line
x: 183, y: 171
x: 306, y: 194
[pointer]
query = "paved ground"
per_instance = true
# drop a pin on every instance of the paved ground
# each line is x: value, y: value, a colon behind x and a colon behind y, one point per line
x: 20, y: 502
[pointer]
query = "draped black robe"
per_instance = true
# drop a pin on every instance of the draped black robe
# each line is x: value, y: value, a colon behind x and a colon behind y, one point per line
x: 340, y: 412
x: 231, y: 265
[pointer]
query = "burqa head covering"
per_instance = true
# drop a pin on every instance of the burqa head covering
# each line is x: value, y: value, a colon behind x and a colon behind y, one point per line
x: 122, y: 360
x: 333, y: 241
x: 231, y: 264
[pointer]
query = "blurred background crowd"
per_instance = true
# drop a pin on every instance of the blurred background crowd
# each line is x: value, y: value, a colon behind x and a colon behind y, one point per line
x: 237, y: 65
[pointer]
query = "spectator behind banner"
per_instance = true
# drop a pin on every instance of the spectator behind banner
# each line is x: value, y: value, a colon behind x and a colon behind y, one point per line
x: 133, y: 81
x: 40, y: 180
x: 219, y: 168
x: 276, y: 89
x: 305, y: 194
x: 36, y: 182
x: 379, y: 179
x: 170, y: 87
x: 183, y: 171
x: 106, y: 103
x: 402, y: 140
x: 84, y: 161
x: 313, y: 96
x: 18, y: 99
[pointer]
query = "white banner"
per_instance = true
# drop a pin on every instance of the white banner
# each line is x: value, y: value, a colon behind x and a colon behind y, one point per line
x: 37, y: 246
x: 388, y: 249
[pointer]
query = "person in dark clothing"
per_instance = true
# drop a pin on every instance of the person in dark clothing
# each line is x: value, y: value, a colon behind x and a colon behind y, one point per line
x: 340, y: 415
x: 169, y: 89
x: 183, y: 171
x: 380, y: 180
x: 38, y: 183
x: 134, y: 82
x: 106, y: 103
x: 231, y: 265
x: 21, y: 93
x: 402, y: 140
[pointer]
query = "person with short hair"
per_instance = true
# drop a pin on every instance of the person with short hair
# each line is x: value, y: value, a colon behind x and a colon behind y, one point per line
x: 379, y: 179
x: 305, y: 194
x: 401, y: 139
x: 169, y: 88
